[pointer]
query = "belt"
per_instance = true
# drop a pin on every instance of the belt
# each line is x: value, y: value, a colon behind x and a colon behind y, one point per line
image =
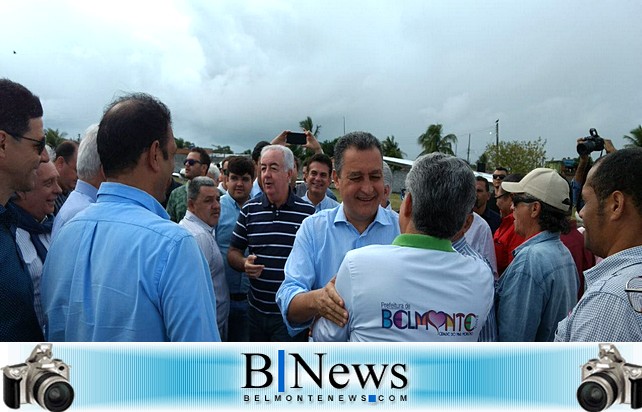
x: 237, y: 297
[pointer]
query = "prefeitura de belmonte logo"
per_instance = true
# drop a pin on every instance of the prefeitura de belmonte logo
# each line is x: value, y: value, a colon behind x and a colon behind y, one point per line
x: 294, y: 378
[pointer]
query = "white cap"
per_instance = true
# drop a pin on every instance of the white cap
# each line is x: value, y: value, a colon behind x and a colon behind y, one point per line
x: 545, y: 185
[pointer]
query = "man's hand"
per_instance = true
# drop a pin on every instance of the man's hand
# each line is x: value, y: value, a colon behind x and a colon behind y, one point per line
x: 281, y: 139
x: 252, y: 270
x: 608, y: 146
x: 312, y: 143
x: 330, y: 305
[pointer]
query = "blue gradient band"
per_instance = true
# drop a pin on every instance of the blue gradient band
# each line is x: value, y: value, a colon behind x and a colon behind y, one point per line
x: 439, y: 376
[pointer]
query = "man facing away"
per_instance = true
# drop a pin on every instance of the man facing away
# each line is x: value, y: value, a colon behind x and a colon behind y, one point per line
x: 35, y: 220
x: 120, y: 270
x: 612, y: 215
x: 203, y: 211
x: 317, y: 176
x: 196, y: 164
x: 240, y: 173
x: 90, y: 176
x: 266, y: 226
x: 66, y: 163
x: 539, y: 287
x: 419, y: 288
x: 325, y: 238
x: 22, y: 144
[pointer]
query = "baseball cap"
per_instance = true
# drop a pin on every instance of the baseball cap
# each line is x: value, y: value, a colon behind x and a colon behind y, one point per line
x: 545, y: 185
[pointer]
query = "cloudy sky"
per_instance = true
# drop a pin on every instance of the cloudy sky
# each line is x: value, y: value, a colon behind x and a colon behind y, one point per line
x: 235, y: 72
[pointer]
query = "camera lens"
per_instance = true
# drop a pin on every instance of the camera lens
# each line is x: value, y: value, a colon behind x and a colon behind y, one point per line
x: 597, y: 392
x: 58, y: 396
x: 53, y: 392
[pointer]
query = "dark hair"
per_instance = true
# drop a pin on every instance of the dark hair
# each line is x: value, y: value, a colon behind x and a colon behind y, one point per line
x: 17, y: 106
x: 358, y: 140
x: 483, y: 179
x: 66, y: 150
x: 256, y: 153
x: 619, y: 171
x: 503, y: 169
x: 320, y: 158
x: 515, y: 177
x: 240, y: 165
x: 206, y: 160
x: 553, y: 220
x: 128, y: 128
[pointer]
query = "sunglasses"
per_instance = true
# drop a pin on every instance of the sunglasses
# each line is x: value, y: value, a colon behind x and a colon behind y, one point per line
x: 634, y: 291
x: 500, y: 177
x: 517, y: 199
x: 40, y: 144
x: 191, y: 162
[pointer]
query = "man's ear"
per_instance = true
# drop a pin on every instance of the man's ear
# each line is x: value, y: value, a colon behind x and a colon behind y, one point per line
x: 406, y: 206
x: 616, y: 204
x: 153, y: 156
x: 536, y: 210
x: 335, y: 178
x: 468, y: 222
x: 3, y: 144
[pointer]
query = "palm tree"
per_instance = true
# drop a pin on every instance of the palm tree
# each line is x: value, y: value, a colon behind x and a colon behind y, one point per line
x: 54, y: 137
x: 391, y: 148
x: 433, y: 141
x: 635, y: 138
x: 306, y: 124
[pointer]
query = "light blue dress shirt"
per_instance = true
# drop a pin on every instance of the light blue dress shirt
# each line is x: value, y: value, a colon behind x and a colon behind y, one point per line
x: 319, y: 248
x: 237, y: 282
x: 83, y: 195
x: 537, y: 290
x: 122, y: 271
x: 326, y: 203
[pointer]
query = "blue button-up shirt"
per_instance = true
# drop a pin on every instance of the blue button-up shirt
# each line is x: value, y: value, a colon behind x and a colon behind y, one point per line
x: 319, y: 248
x: 122, y: 271
x: 325, y: 203
x: 83, y: 195
x: 537, y: 290
x: 237, y: 282
x: 604, y: 314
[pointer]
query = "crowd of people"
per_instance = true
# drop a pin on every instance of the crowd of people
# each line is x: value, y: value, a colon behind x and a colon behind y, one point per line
x: 99, y: 243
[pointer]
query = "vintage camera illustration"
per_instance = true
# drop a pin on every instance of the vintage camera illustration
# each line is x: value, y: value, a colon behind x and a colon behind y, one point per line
x: 608, y: 380
x: 41, y: 379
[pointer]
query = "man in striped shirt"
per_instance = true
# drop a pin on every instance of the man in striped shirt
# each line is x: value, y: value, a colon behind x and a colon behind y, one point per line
x: 267, y: 226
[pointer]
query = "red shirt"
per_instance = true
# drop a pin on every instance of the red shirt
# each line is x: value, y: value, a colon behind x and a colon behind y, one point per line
x: 584, y: 259
x: 506, y: 240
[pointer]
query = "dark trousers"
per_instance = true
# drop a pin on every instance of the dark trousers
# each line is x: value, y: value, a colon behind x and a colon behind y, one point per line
x: 270, y: 328
x: 238, y: 329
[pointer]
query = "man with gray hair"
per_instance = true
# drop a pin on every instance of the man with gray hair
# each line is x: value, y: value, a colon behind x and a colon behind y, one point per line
x: 90, y: 176
x: 267, y: 225
x: 203, y: 212
x: 387, y: 186
x: 419, y: 288
x: 308, y: 290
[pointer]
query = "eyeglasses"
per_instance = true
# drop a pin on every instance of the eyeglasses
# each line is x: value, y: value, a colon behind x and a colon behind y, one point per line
x: 517, y: 199
x: 191, y: 162
x: 40, y: 143
x: 500, y: 177
x: 502, y: 195
x: 633, y: 290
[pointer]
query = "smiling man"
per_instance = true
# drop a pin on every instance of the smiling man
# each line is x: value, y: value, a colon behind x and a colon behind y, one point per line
x: 22, y: 144
x: 325, y: 238
x: 35, y: 220
x: 317, y: 175
x: 203, y: 212
x: 266, y: 226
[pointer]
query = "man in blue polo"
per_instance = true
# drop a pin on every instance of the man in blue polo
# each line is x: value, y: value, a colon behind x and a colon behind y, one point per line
x: 324, y: 238
x: 267, y: 225
x: 419, y: 288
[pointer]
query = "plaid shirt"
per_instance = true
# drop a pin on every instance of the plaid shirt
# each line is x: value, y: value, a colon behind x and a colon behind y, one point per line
x: 604, y: 313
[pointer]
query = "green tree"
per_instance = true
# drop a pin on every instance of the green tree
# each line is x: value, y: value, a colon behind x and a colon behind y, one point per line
x: 636, y: 137
x: 54, y: 137
x: 433, y: 141
x: 182, y: 143
x: 328, y: 146
x: 306, y: 124
x: 222, y: 149
x: 518, y: 157
x: 391, y: 148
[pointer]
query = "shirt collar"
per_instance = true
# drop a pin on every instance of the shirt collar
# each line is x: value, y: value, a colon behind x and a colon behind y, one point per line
x: 86, y: 189
x: 382, y: 217
x: 614, y: 264
x: 197, y: 220
x: 542, y: 236
x: 289, y: 201
x: 423, y: 242
x: 130, y: 194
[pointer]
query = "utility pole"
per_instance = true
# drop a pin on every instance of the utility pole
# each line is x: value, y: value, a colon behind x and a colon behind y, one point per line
x: 344, y: 125
x: 468, y: 152
x: 497, y: 133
